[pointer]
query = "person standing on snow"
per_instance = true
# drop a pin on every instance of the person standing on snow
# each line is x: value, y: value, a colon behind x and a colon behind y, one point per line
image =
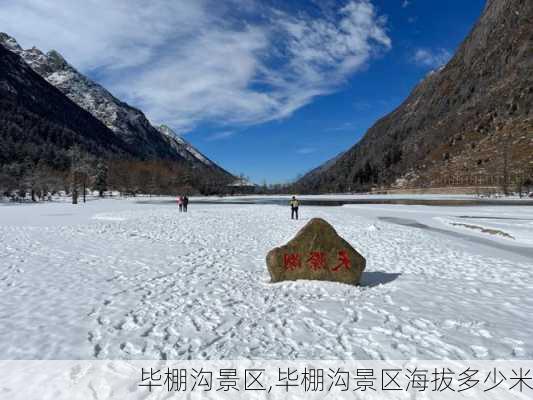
x: 185, y: 203
x: 179, y: 200
x: 294, y: 203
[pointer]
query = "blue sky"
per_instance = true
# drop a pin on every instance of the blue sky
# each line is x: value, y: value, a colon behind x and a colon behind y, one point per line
x: 281, y: 150
x: 267, y: 88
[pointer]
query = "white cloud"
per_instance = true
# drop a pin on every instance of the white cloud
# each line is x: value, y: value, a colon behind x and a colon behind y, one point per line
x: 431, y: 58
x: 306, y: 150
x: 96, y: 33
x: 220, y: 135
x: 191, y: 61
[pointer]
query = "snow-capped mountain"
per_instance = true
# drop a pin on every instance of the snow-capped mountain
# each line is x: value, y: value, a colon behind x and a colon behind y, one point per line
x: 127, y: 122
x: 184, y: 148
x: 40, y: 123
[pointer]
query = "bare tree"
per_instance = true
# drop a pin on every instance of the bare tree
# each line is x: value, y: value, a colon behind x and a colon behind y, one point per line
x: 80, y: 167
x: 506, y: 161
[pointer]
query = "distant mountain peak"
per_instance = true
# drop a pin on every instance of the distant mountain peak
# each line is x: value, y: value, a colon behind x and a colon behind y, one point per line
x: 43, y: 64
x: 127, y: 122
x: 57, y: 59
x: 166, y: 130
x: 9, y: 42
x: 41, y: 123
x: 184, y: 148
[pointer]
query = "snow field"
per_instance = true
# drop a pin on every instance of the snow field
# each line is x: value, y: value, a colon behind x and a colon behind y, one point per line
x: 119, y: 280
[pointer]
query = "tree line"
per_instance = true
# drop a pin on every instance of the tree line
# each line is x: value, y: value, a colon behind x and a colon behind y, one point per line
x: 38, y: 179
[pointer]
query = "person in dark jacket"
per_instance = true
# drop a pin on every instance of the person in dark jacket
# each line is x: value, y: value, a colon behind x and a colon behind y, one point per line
x: 185, y: 203
x: 294, y: 203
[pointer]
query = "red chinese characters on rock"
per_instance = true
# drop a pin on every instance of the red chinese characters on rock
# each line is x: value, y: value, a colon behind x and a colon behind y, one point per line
x: 292, y: 261
x: 344, y: 261
x: 316, y: 261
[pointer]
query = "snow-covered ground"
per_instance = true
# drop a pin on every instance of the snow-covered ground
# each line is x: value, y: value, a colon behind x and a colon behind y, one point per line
x: 121, y: 279
x: 514, y: 228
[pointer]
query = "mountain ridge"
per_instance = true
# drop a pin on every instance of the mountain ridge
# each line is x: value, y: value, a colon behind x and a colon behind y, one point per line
x: 468, y: 123
x: 126, y: 121
x: 37, y: 121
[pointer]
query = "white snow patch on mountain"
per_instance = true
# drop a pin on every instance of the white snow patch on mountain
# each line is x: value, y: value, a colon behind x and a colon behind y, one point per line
x: 184, y: 148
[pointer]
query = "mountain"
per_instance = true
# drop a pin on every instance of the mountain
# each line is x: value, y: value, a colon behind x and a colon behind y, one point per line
x: 469, y: 123
x: 127, y: 122
x: 324, y: 167
x: 186, y: 150
x: 37, y: 121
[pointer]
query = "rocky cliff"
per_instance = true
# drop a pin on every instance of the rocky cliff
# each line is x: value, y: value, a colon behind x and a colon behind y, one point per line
x: 469, y: 123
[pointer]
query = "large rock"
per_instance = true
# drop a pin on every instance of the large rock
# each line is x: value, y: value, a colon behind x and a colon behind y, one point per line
x: 316, y: 252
